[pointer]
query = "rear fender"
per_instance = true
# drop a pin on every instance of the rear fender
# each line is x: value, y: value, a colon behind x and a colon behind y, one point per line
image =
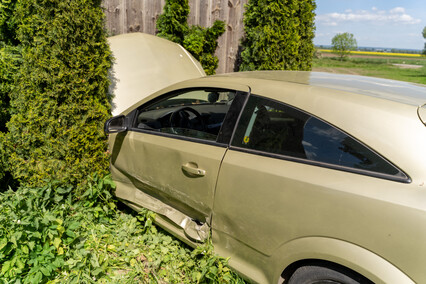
x: 346, y: 254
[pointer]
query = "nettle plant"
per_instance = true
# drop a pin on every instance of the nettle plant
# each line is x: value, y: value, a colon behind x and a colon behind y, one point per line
x: 199, y: 41
x: 44, y: 228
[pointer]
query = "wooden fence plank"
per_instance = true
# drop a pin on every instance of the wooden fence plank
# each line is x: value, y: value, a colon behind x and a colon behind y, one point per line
x: 134, y: 16
x: 124, y: 16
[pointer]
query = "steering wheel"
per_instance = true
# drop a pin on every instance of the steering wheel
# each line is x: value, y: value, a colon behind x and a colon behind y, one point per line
x: 181, y: 118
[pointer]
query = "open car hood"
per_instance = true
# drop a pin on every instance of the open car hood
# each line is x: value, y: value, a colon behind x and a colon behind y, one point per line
x: 422, y: 113
x: 145, y: 64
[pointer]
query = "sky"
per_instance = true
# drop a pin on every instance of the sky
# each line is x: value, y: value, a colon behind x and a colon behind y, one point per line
x: 374, y: 23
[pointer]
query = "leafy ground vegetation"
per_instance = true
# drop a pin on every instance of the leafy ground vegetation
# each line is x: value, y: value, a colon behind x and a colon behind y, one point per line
x: 410, y: 69
x: 48, y: 235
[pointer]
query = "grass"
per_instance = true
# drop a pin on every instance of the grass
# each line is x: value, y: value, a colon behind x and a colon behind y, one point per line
x: 382, y: 67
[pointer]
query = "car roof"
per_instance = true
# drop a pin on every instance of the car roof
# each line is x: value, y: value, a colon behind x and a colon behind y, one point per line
x: 397, y: 91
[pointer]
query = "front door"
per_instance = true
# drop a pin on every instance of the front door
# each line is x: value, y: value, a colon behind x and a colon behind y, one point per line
x: 174, y: 150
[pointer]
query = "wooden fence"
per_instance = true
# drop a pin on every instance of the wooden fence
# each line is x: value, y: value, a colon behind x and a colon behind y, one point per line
x: 126, y: 16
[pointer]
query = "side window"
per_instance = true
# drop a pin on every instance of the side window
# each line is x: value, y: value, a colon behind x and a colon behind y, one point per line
x: 276, y: 128
x: 196, y: 113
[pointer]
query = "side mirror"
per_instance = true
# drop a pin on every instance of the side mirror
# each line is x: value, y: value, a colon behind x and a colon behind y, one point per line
x: 115, y: 124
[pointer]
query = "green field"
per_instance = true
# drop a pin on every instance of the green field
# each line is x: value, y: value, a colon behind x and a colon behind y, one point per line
x: 377, y: 66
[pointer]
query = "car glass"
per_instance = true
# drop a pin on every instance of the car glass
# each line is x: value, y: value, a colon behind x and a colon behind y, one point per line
x: 196, y: 113
x: 276, y: 128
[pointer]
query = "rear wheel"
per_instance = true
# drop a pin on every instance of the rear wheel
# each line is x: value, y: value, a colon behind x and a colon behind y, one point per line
x: 317, y: 275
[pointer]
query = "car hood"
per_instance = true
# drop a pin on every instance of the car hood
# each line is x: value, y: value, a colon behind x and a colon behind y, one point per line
x: 144, y: 64
x: 422, y: 113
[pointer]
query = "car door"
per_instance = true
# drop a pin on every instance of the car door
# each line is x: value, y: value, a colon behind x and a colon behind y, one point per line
x: 169, y: 159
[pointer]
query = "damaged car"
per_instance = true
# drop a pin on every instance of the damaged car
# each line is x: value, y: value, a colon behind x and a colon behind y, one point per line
x: 298, y: 177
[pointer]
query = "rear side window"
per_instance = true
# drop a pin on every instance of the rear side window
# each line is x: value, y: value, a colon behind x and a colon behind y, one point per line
x: 276, y: 128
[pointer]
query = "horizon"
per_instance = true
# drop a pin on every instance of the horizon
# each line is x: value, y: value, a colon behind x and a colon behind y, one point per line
x: 374, y: 47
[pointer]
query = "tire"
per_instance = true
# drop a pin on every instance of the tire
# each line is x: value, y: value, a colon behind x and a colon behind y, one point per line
x: 323, y: 275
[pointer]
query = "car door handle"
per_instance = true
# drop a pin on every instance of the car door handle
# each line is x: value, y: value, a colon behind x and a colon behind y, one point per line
x: 192, y: 168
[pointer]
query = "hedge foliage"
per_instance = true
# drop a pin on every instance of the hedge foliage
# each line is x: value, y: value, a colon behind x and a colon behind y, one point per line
x: 7, y: 22
x: 60, y: 99
x: 278, y: 35
x: 199, y: 41
x: 9, y: 64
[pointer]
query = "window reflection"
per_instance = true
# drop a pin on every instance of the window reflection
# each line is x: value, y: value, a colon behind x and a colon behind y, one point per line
x: 273, y: 127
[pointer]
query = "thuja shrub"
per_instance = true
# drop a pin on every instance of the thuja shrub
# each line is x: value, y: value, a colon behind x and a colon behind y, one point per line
x: 9, y: 62
x: 7, y: 22
x: 278, y: 35
x: 199, y: 41
x: 60, y: 100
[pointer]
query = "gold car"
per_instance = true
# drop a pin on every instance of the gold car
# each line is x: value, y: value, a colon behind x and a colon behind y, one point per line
x: 299, y: 177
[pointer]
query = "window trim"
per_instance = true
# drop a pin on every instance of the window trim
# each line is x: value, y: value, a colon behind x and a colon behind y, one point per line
x: 405, y: 178
x: 180, y: 137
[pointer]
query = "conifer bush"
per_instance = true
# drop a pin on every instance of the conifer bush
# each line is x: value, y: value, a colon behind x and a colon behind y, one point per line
x: 199, y: 41
x: 9, y: 63
x: 60, y: 99
x: 278, y: 35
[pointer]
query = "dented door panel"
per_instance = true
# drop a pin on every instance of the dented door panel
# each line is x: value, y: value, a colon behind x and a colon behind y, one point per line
x: 153, y: 164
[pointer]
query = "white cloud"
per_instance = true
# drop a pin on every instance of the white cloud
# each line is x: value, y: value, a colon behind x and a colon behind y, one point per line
x: 397, y: 10
x: 396, y: 15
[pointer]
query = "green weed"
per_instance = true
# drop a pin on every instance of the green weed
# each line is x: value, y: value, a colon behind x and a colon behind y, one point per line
x: 50, y: 236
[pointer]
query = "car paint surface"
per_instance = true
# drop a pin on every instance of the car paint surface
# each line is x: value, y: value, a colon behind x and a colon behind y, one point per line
x: 266, y: 211
x: 422, y: 113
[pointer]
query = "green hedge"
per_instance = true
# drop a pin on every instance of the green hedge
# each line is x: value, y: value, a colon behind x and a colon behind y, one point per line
x: 199, y: 41
x: 60, y: 99
x: 7, y: 22
x: 9, y: 61
x: 9, y: 64
x: 278, y: 35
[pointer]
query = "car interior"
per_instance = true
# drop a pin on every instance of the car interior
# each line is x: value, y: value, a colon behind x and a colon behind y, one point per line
x: 197, y: 114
